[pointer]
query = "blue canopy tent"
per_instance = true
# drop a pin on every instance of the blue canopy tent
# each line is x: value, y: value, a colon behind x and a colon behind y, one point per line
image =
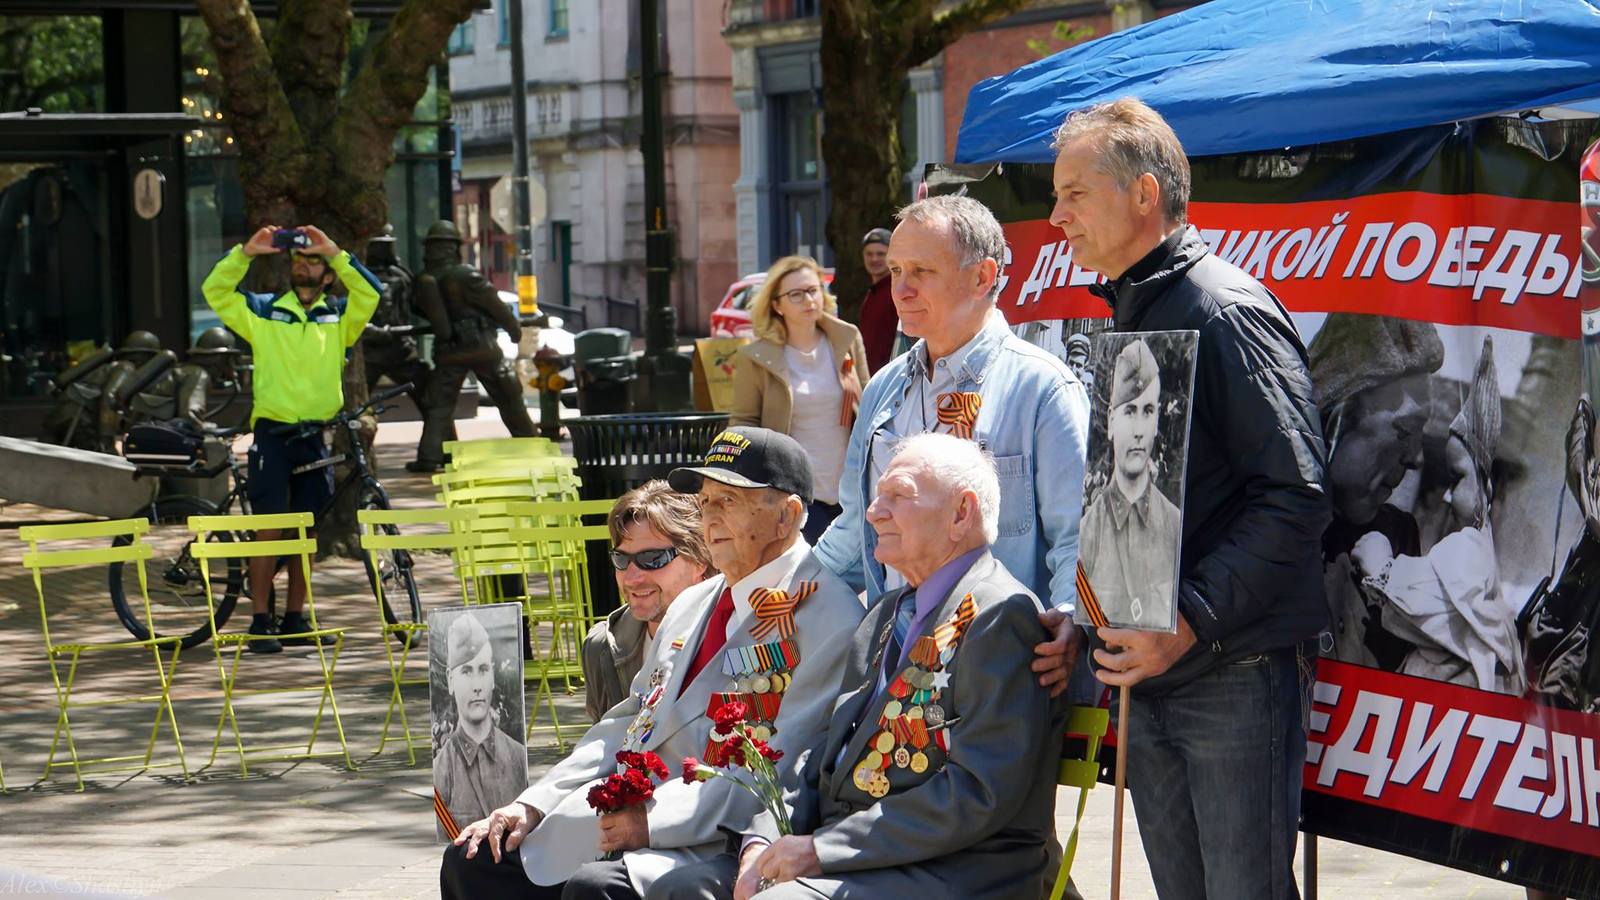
x: 1239, y: 75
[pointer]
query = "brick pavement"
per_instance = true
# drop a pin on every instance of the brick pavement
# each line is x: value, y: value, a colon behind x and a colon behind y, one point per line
x: 313, y: 829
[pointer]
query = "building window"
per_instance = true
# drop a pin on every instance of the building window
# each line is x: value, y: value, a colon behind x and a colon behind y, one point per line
x: 503, y: 13
x: 558, y: 18
x: 53, y: 63
x: 461, y: 39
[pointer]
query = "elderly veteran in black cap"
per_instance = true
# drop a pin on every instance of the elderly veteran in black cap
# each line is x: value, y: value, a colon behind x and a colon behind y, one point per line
x: 477, y: 765
x: 1129, y: 536
x: 770, y: 630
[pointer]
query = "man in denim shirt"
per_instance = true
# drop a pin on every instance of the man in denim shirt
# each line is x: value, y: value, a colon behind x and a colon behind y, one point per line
x: 968, y: 375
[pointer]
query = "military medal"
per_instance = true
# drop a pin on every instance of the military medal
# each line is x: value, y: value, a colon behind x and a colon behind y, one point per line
x: 933, y: 714
x: 919, y: 762
x: 902, y: 758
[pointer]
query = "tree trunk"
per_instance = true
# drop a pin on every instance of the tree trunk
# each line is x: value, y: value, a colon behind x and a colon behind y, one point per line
x: 867, y: 50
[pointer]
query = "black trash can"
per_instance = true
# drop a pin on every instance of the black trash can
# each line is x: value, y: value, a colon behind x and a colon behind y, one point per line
x: 617, y: 453
x: 602, y: 359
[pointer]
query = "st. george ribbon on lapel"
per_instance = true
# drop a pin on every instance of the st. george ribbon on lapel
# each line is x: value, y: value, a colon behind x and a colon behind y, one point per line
x: 959, y: 410
x: 775, y: 609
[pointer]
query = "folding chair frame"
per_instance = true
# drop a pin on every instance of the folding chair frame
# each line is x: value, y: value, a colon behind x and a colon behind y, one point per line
x: 1088, y: 722
x: 303, y: 547
x: 460, y: 541
x: 135, y: 551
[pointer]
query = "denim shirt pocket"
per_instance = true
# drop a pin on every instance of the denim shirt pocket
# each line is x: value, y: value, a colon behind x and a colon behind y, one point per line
x: 1016, y: 495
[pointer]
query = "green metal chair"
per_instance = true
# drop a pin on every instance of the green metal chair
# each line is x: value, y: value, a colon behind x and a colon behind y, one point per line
x: 1083, y: 773
x: 466, y: 453
x: 38, y: 559
x: 302, y: 547
x: 457, y: 538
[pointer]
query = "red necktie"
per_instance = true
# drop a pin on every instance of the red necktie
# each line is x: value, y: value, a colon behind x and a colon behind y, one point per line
x: 716, y: 635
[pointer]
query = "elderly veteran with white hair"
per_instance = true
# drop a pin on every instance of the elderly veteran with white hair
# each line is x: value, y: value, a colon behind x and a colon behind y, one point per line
x: 771, y: 630
x: 935, y: 778
x: 1130, y: 531
x: 969, y: 376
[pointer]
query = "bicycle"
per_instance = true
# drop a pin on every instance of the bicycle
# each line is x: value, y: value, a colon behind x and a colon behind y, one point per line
x: 177, y: 591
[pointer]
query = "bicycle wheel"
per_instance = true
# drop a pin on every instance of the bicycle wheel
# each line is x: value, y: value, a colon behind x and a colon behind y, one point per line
x: 393, y: 570
x: 177, y: 591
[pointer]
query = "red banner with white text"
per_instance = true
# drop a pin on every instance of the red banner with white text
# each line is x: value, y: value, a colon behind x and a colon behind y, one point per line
x: 1450, y: 309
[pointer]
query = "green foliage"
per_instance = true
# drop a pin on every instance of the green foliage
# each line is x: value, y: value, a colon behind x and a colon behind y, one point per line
x: 1064, y: 34
x: 51, y: 62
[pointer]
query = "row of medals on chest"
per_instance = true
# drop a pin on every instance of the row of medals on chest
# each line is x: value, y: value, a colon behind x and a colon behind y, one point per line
x: 910, y: 721
x: 760, y: 687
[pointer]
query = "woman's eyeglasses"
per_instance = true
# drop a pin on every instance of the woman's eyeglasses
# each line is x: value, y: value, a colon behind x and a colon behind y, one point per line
x: 648, y: 560
x: 799, y: 294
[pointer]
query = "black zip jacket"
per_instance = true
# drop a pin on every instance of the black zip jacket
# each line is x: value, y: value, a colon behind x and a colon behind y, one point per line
x: 1250, y: 576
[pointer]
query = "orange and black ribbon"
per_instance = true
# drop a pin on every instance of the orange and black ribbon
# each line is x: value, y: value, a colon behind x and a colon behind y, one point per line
x: 948, y: 634
x: 775, y: 609
x: 1088, y: 601
x: 451, y: 829
x: 959, y: 410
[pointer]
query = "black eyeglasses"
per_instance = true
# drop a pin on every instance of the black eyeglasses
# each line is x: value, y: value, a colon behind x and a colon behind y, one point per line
x: 648, y: 560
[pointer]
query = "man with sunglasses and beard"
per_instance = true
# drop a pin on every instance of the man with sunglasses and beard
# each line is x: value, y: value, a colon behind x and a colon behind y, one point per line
x: 298, y: 341
x: 770, y: 631
x: 658, y: 552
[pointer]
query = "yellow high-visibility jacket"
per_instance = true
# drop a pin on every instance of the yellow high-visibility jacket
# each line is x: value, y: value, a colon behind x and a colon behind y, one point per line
x: 299, y: 353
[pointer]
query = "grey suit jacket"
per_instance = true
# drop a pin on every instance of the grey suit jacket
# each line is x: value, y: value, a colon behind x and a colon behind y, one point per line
x: 689, y: 822
x: 978, y: 823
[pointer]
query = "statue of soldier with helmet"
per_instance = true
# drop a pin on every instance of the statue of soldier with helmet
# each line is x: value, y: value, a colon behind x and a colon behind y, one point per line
x: 84, y: 415
x: 386, y: 354
x: 464, y: 309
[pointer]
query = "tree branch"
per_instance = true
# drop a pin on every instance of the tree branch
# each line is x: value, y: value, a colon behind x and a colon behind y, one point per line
x: 271, y: 146
x: 309, y: 47
x: 950, y: 26
x: 381, y: 99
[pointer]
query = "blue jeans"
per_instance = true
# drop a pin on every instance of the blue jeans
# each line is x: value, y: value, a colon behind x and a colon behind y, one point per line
x: 1215, y: 766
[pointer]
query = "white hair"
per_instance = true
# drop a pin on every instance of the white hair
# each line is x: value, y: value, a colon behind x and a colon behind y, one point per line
x: 961, y: 465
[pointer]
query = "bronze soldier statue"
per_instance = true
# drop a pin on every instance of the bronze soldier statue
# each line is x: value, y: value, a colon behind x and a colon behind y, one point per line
x: 465, y: 309
x: 394, y: 355
x: 84, y: 416
x: 184, y: 391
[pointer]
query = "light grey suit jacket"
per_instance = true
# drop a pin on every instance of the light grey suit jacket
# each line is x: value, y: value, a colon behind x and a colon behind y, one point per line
x: 689, y: 822
x: 978, y: 824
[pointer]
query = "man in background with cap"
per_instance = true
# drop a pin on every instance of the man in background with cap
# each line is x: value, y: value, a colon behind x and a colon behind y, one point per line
x: 771, y: 630
x: 477, y: 766
x: 1129, y: 541
x: 1218, y: 804
x: 877, y: 319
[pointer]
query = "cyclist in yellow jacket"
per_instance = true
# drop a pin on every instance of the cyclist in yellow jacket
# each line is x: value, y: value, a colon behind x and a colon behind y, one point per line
x: 298, y: 341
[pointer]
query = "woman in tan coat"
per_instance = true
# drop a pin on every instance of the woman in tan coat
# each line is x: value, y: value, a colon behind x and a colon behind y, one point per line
x: 802, y: 375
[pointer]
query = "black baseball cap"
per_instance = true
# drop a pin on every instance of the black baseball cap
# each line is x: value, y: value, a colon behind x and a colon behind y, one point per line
x: 750, y: 458
x: 877, y: 236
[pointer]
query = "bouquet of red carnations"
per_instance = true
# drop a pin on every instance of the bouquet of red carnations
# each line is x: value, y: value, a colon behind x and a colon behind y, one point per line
x: 733, y: 746
x: 631, y: 785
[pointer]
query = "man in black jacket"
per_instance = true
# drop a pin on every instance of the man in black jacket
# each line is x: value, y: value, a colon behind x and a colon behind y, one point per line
x: 1216, y: 741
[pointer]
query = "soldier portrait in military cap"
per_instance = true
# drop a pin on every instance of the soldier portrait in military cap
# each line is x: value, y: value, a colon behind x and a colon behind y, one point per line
x: 1132, y: 526
x: 480, y: 757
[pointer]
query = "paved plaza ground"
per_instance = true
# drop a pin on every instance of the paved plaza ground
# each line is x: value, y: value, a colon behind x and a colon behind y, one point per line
x: 315, y: 829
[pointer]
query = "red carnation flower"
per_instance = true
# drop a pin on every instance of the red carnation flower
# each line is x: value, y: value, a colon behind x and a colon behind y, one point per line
x: 765, y: 750
x: 691, y: 767
x: 655, y: 766
x: 728, y: 715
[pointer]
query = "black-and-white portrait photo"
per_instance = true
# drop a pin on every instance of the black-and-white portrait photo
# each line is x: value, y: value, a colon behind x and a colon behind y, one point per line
x: 1132, y: 528
x: 480, y: 756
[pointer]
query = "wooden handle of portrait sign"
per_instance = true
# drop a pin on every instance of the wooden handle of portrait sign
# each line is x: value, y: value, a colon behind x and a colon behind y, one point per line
x: 1121, y: 774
